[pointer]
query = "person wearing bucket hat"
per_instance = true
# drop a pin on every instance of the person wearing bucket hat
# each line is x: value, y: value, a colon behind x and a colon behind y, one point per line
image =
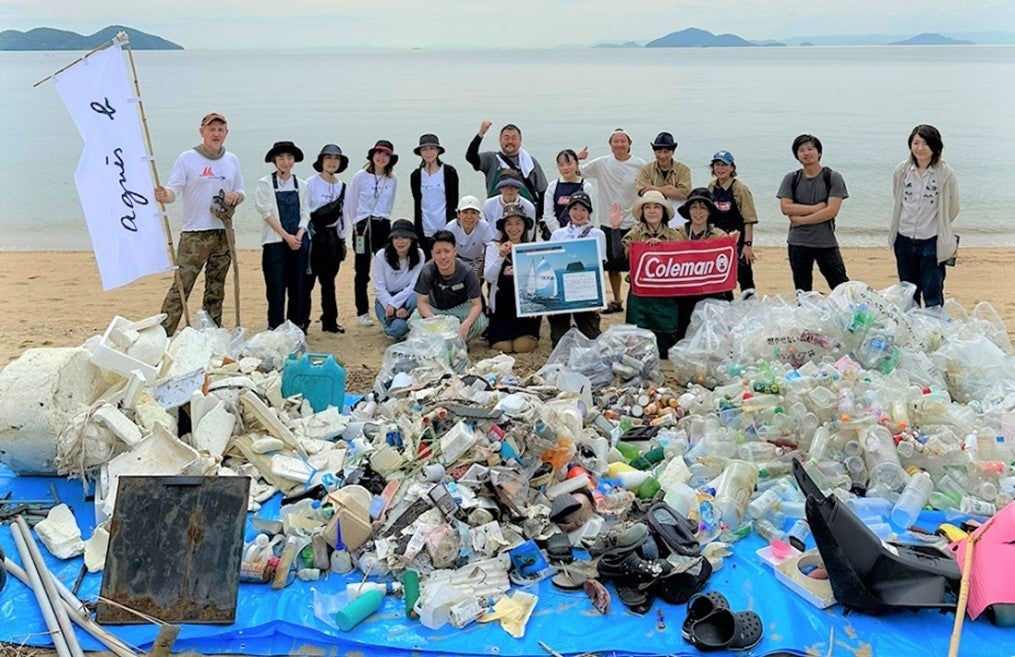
x: 735, y: 211
x: 699, y: 211
x: 434, y: 187
x: 580, y: 226
x: 615, y: 175
x: 203, y: 242
x: 449, y: 286
x: 369, y: 203
x: 396, y: 268
x: 510, y: 156
x: 665, y: 175
x: 328, y: 230
x: 508, y: 333
x: 282, y: 203
x: 509, y: 187
x: 472, y: 233
x: 810, y: 198
x: 657, y: 314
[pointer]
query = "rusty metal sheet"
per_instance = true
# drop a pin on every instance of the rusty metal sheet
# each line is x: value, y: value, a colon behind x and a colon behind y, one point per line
x: 175, y: 547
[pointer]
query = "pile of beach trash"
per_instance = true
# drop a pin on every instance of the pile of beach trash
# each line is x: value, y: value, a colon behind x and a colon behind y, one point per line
x: 449, y: 469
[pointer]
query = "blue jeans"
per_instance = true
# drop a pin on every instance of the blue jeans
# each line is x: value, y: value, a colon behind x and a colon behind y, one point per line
x: 395, y: 327
x: 917, y: 263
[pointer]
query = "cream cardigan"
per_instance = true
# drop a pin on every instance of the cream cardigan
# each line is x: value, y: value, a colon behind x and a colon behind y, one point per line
x: 947, y: 208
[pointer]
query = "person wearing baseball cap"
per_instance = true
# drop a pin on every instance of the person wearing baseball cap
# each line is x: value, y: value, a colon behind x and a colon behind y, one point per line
x: 472, y: 233
x: 199, y: 175
x: 508, y: 333
x: 285, y: 247
x: 734, y: 211
x: 329, y: 230
x: 369, y: 203
x: 434, y: 186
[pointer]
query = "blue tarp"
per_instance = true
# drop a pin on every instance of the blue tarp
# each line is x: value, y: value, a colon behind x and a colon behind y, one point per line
x: 282, y: 622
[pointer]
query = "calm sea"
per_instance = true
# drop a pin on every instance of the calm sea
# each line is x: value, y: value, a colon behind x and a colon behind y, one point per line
x: 861, y: 101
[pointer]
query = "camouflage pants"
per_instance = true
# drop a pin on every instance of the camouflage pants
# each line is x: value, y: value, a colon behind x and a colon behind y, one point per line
x: 198, y: 249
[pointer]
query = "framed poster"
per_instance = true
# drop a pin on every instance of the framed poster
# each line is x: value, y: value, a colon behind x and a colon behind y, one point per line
x: 558, y: 277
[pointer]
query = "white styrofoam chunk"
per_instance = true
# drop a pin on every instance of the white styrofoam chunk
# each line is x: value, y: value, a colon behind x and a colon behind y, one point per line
x: 95, y: 550
x: 39, y: 394
x: 60, y: 533
x: 119, y: 424
x: 214, y: 430
x: 150, y: 345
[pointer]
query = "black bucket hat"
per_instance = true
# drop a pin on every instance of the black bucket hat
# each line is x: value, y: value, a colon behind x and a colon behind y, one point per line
x: 580, y: 198
x: 429, y: 140
x: 515, y: 210
x: 402, y: 228
x: 281, y: 147
x: 384, y: 146
x: 699, y: 194
x: 664, y: 140
x: 331, y: 149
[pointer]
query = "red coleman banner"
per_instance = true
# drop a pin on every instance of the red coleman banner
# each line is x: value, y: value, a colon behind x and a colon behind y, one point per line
x: 677, y: 269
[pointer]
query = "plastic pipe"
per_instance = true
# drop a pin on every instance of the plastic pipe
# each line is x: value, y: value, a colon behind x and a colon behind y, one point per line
x: 59, y: 642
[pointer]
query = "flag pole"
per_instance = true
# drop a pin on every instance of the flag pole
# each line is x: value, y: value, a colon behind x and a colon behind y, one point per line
x: 78, y: 60
x: 122, y: 38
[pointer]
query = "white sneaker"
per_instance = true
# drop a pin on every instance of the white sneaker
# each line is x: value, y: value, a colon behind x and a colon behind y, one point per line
x: 364, y: 320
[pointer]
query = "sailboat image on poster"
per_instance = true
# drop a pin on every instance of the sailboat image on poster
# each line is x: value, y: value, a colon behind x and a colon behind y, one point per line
x: 541, y: 282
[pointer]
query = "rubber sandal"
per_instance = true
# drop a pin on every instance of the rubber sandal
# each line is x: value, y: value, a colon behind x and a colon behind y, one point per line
x: 678, y: 587
x: 699, y: 606
x: 613, y: 307
x: 566, y: 580
x: 558, y: 548
x: 725, y: 630
x: 634, y: 598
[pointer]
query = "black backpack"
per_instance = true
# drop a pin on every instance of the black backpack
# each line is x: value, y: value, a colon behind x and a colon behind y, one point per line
x: 826, y: 173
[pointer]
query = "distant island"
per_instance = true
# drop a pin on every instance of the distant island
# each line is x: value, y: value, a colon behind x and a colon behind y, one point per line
x: 47, y: 38
x: 931, y: 39
x: 694, y: 37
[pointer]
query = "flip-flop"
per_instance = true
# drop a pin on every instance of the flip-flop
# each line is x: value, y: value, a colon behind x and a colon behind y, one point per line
x: 727, y: 630
x: 699, y: 606
x: 634, y: 598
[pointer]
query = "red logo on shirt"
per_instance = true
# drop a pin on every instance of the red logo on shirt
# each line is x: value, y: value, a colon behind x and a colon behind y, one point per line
x: 207, y: 173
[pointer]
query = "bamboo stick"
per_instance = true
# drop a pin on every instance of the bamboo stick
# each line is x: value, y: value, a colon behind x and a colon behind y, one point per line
x: 167, y: 231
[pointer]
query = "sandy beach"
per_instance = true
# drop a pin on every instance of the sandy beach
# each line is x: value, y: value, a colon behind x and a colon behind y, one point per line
x: 54, y: 299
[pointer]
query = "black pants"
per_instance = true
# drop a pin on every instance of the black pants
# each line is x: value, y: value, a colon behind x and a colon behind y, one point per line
x: 801, y: 263
x: 587, y: 323
x: 376, y: 232
x: 285, y: 274
x: 745, y: 273
x: 327, y: 251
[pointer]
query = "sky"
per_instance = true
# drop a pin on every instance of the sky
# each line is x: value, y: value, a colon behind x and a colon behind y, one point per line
x: 299, y: 24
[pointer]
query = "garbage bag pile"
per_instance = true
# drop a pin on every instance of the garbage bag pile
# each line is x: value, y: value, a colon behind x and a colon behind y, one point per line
x: 459, y: 479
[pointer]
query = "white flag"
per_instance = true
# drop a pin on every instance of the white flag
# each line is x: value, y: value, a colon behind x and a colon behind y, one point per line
x: 113, y: 177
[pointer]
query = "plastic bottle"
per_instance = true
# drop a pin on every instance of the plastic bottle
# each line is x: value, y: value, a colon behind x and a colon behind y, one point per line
x: 914, y: 497
x: 257, y: 550
x: 798, y: 534
x: 761, y: 505
x: 733, y: 492
x: 356, y: 589
x: 977, y: 507
x: 768, y: 531
x: 285, y: 563
x: 359, y: 609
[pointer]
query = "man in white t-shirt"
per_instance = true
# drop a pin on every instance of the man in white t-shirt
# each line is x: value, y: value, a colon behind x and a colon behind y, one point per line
x: 472, y: 233
x: 615, y: 175
x: 200, y: 174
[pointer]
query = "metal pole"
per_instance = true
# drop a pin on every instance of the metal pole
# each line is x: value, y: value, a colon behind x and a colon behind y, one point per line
x: 47, y: 584
x: 74, y: 607
x: 59, y: 642
x: 155, y: 176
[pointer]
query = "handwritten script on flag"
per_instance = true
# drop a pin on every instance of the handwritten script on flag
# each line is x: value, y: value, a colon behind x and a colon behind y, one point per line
x: 113, y: 177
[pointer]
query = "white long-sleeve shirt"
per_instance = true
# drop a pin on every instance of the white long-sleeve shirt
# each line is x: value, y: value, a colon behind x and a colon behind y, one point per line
x: 370, y: 196
x: 267, y: 206
x: 393, y: 287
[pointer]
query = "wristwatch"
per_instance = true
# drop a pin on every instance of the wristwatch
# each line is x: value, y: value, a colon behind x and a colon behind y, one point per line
x: 747, y: 242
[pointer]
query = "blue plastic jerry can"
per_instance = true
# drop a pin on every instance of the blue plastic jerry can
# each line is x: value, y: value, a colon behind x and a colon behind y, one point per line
x: 318, y: 377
